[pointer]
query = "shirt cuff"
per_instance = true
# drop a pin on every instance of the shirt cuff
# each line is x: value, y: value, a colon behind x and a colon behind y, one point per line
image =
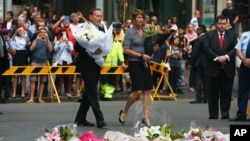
x: 215, y: 59
x: 228, y: 58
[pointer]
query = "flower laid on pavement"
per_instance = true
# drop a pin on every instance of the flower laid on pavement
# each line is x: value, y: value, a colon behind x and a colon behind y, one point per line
x: 154, y: 133
x: 68, y: 133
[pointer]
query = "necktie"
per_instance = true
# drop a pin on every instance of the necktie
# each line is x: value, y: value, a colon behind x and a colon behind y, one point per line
x: 221, y: 40
x: 248, y: 50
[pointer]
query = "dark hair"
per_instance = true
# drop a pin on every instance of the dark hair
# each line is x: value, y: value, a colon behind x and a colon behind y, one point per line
x: 221, y: 17
x: 212, y: 25
x: 14, y: 22
x: 61, y: 33
x: 118, y: 25
x: 203, y: 28
x: 172, y: 39
x: 11, y: 13
x: 113, y: 34
x: 136, y: 13
x: 91, y: 11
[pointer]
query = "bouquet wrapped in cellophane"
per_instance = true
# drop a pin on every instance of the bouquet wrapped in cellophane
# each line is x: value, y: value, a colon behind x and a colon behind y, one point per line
x: 90, y: 38
x: 151, y: 34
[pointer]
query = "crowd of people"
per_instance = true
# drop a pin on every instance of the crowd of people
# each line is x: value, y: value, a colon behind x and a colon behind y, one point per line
x: 199, y: 56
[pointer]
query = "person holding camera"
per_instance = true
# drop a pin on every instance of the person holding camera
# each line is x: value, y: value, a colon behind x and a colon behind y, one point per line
x: 63, y: 48
x: 40, y: 48
x: 18, y: 49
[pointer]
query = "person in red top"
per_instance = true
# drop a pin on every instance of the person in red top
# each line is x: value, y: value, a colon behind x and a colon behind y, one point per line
x: 63, y: 24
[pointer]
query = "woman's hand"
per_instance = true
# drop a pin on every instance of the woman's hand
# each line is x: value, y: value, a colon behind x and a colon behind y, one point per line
x: 124, y: 65
x: 146, y: 57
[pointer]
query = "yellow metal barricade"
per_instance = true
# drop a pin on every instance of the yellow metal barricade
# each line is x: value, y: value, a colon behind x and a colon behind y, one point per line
x: 71, y: 70
x: 43, y: 70
x: 161, y: 68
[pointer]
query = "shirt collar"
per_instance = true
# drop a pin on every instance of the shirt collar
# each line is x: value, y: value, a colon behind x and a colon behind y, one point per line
x: 223, y: 33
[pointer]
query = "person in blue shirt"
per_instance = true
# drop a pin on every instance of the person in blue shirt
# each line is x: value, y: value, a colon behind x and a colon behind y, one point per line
x: 243, y: 52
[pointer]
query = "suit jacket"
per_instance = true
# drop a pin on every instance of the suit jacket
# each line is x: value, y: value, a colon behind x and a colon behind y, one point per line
x: 213, y: 50
x: 4, y: 62
x: 198, y: 56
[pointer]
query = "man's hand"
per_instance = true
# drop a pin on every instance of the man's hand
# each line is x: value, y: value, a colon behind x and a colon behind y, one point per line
x: 246, y: 62
x: 222, y: 59
x: 98, y: 51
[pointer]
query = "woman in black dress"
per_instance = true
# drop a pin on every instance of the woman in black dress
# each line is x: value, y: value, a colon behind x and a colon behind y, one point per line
x: 139, y: 68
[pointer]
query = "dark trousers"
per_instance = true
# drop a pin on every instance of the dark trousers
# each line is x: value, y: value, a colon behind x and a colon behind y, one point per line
x: 243, y: 90
x: 200, y: 85
x: 192, y: 77
x: 220, y: 91
x: 174, y: 76
x: 90, y: 75
x: 5, y: 84
x: 108, y: 79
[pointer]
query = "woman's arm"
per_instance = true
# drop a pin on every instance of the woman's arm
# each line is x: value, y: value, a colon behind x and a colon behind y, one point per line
x: 12, y: 49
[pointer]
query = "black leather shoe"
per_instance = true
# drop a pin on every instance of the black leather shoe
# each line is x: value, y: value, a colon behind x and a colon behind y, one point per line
x: 195, y: 101
x: 225, y: 117
x: 238, y: 119
x: 101, y: 124
x: 204, y: 101
x: 85, y: 123
x: 213, y: 118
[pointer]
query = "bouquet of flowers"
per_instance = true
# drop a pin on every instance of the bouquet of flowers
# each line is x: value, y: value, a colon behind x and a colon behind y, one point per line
x: 151, y: 34
x: 90, y: 38
x: 67, y: 133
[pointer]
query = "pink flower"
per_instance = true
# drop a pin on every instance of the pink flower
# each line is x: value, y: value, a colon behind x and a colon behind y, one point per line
x: 54, y: 136
x: 89, y: 136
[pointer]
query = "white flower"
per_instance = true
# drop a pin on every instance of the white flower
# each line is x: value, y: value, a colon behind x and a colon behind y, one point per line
x: 42, y: 138
x: 90, y: 38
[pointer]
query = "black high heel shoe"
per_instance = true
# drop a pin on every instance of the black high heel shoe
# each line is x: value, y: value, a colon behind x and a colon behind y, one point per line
x: 122, y: 122
x: 145, y: 123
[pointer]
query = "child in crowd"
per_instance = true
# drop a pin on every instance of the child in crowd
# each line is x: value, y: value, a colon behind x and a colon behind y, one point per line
x: 174, y: 54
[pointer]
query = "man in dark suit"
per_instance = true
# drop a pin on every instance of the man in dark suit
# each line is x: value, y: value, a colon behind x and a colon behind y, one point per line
x: 90, y: 72
x: 9, y: 18
x: 4, y: 65
x: 220, y: 70
x: 198, y: 62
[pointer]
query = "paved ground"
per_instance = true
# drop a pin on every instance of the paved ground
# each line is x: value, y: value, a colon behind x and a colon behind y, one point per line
x: 25, y: 122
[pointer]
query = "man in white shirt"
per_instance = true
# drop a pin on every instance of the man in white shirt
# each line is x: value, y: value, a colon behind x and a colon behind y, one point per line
x: 9, y: 18
x: 194, y: 20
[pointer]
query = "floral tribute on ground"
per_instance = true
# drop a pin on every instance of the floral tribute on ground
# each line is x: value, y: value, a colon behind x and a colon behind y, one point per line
x: 154, y: 133
x: 90, y: 38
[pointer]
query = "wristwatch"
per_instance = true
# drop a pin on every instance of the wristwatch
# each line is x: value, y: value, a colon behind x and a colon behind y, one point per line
x: 142, y: 56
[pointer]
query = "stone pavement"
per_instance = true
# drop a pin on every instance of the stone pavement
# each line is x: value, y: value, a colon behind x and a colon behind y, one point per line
x: 25, y: 122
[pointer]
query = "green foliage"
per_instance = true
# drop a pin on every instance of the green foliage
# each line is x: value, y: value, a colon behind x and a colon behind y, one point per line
x: 151, y: 31
x: 65, y: 133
